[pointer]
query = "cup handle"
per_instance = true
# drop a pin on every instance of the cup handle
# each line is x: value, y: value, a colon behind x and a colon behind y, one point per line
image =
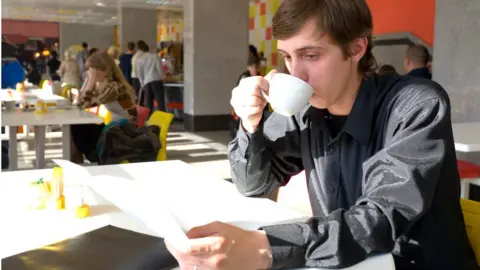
x: 265, y: 95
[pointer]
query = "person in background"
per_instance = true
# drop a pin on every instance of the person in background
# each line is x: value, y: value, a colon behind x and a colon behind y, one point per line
x: 114, y: 52
x: 53, y: 65
x: 81, y: 58
x: 126, y: 62
x: 12, y: 72
x: 252, y: 51
x: 69, y: 71
x: 104, y: 85
x: 150, y: 74
x: 138, y: 54
x: 378, y: 152
x: 416, y: 61
x: 387, y: 69
x: 92, y: 51
x: 33, y: 76
x: 253, y: 68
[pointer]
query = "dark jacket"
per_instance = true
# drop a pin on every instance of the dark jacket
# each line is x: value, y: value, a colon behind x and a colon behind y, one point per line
x: 128, y: 143
x: 126, y: 66
x: 421, y: 73
x: 387, y: 183
x: 5, y: 158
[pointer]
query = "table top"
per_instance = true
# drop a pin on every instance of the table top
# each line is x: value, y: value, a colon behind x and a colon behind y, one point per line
x: 72, y: 116
x: 467, y: 136
x: 30, y: 96
x: 194, y: 197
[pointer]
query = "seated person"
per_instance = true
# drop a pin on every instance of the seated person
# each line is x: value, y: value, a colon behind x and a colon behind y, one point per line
x: 387, y: 69
x: 377, y: 151
x: 104, y: 85
x: 12, y: 73
x: 253, y: 68
x: 33, y: 76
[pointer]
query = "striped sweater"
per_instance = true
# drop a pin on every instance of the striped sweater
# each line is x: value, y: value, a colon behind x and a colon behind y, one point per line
x: 114, y: 96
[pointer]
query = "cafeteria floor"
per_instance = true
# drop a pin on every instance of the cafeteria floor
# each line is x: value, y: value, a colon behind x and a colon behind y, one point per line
x: 204, y: 150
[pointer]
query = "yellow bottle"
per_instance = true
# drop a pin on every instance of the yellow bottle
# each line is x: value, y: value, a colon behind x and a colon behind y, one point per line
x: 57, y: 188
x: 40, y: 107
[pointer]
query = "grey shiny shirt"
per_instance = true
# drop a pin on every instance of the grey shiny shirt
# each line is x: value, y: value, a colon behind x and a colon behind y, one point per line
x: 388, y: 182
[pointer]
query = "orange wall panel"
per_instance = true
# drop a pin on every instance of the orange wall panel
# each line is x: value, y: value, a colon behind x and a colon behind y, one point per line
x: 416, y: 16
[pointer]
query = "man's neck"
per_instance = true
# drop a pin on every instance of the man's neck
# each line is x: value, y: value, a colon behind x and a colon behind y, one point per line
x: 345, y: 103
x: 413, y: 68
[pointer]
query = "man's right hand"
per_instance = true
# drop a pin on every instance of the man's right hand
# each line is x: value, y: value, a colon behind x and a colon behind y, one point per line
x: 249, y: 102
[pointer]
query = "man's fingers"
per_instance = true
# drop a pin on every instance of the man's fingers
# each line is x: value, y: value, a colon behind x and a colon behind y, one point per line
x: 208, y: 245
x: 270, y: 75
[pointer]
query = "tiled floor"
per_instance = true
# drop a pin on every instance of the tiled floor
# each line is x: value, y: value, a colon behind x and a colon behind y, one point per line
x: 204, y: 150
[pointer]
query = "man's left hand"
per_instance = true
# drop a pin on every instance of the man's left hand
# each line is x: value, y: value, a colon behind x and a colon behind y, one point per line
x: 222, y: 246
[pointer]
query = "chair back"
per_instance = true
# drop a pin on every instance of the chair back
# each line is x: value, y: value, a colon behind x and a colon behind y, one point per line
x: 105, y: 114
x: 471, y: 214
x: 163, y: 121
x: 142, y: 115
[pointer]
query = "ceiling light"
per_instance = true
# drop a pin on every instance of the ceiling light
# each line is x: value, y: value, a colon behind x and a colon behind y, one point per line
x: 100, y: 4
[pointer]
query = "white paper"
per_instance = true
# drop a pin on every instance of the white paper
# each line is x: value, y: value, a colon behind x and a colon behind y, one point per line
x: 133, y: 198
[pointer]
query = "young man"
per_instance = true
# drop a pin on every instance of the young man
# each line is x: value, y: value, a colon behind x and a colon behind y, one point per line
x: 150, y: 74
x: 126, y: 61
x: 416, y: 62
x: 138, y: 54
x: 81, y: 58
x: 378, y: 153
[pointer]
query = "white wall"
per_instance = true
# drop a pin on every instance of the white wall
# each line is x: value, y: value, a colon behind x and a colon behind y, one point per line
x: 97, y: 36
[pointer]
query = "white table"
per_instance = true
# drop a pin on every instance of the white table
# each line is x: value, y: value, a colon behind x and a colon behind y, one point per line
x: 467, y: 136
x: 30, y: 96
x: 65, y: 118
x: 195, y: 199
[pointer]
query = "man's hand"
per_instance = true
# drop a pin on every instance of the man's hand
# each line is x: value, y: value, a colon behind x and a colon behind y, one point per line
x: 248, y: 100
x: 222, y: 246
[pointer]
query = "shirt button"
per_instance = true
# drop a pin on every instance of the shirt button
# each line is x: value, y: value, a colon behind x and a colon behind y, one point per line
x: 330, y: 189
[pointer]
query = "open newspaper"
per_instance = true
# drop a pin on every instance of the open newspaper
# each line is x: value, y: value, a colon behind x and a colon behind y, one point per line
x: 136, y: 200
x: 132, y: 198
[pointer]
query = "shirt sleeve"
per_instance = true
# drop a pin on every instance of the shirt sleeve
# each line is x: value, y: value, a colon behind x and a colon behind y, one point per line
x: 97, y: 97
x: 139, y: 70
x: 400, y: 181
x: 266, y: 159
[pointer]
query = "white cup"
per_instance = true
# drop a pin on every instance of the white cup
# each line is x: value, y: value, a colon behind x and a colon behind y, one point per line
x: 288, y: 95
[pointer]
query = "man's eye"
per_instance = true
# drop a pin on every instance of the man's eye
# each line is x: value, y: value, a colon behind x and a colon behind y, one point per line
x: 287, y: 57
x: 311, y: 56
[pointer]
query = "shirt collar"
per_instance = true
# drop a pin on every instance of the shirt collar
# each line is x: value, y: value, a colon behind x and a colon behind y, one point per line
x: 360, y: 120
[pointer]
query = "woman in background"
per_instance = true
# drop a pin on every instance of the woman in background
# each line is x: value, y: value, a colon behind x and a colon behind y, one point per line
x: 104, y: 85
x: 114, y: 52
x: 69, y: 70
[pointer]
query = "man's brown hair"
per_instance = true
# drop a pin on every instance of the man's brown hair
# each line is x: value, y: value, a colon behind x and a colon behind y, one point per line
x: 418, y: 54
x: 342, y: 20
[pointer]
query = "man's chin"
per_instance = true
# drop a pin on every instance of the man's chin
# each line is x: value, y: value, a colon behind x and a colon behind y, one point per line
x: 319, y: 104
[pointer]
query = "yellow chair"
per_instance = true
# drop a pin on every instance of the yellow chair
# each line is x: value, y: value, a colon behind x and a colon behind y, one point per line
x: 66, y: 92
x: 471, y: 213
x: 163, y: 121
x: 105, y: 114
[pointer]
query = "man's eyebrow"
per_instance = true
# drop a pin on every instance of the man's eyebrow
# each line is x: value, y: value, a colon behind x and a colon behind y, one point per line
x: 304, y: 48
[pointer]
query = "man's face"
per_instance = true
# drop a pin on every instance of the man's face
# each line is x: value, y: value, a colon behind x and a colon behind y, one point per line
x: 314, y: 58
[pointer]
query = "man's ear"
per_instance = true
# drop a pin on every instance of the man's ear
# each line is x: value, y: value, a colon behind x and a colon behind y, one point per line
x: 358, y: 47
